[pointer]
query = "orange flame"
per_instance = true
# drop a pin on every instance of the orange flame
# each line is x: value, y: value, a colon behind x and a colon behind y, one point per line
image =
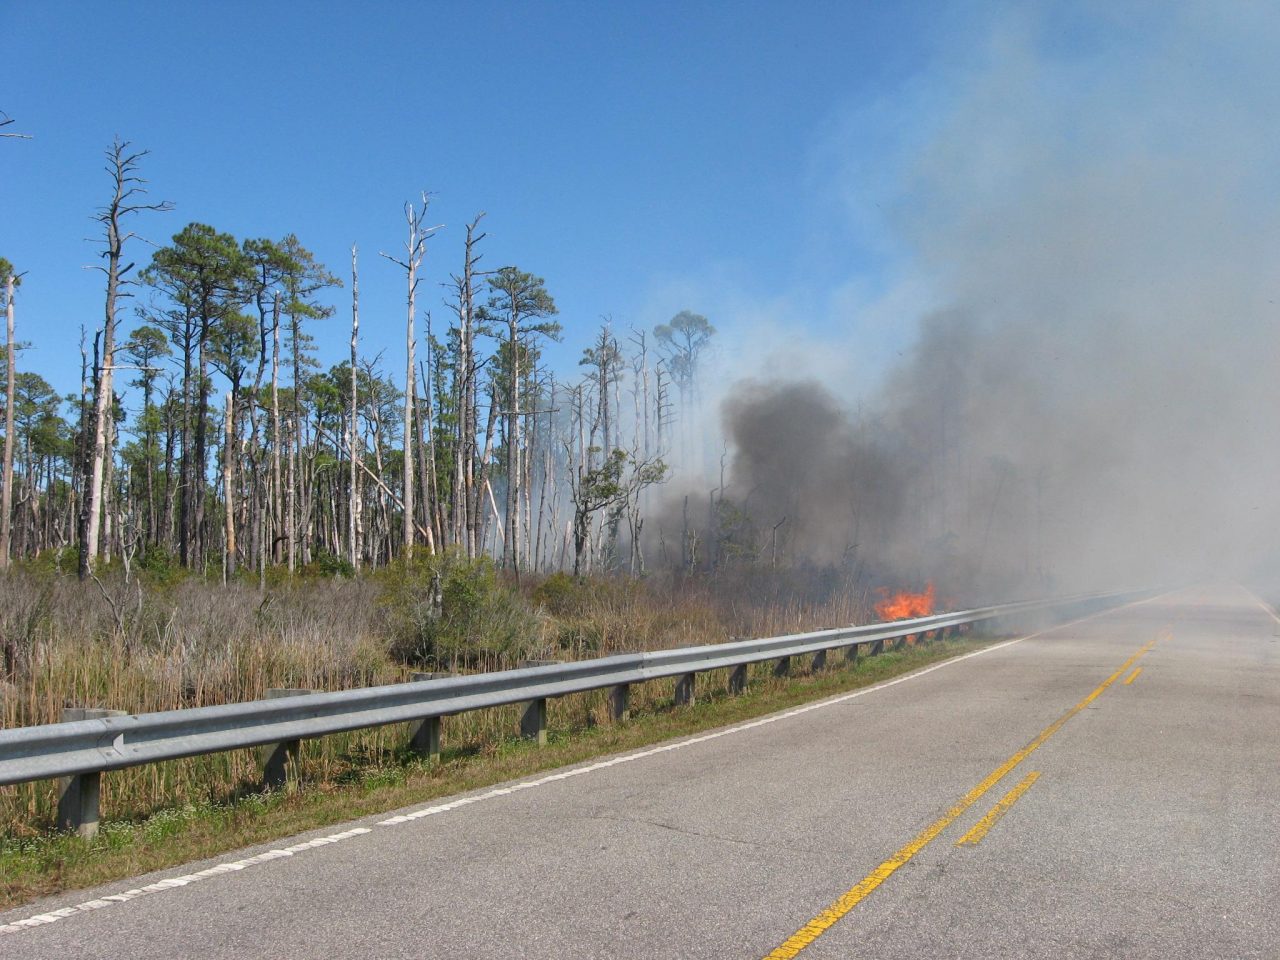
x: 904, y: 605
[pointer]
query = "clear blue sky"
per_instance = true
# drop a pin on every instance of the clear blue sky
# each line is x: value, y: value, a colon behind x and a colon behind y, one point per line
x: 638, y: 156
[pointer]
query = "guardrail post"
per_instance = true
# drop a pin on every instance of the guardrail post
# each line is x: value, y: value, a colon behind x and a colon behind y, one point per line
x: 620, y: 702
x: 851, y: 655
x: 424, y: 734
x: 78, y: 796
x: 533, y: 722
x: 425, y: 740
x: 278, y: 758
x: 819, y: 661
x: 877, y: 647
x: 783, y: 667
x: 738, y: 678
x: 686, y: 695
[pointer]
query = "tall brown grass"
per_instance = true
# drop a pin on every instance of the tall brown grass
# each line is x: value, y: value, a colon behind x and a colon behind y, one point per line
x: 156, y: 643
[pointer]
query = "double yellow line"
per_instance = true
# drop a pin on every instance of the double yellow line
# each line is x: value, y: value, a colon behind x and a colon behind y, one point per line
x: 983, y: 826
x: 819, y: 925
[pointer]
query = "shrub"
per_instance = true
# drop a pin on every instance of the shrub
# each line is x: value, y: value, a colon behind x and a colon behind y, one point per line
x: 449, y: 610
x: 55, y: 561
x: 325, y: 564
x: 160, y: 566
x: 561, y: 595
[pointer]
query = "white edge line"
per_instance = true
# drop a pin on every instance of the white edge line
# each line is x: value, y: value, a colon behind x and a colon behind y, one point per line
x: 172, y: 883
x: 1262, y: 603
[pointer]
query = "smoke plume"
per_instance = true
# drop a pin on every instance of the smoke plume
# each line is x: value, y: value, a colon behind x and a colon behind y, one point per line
x: 1093, y: 403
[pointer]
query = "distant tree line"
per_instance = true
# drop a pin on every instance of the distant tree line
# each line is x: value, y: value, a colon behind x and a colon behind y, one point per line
x: 233, y: 449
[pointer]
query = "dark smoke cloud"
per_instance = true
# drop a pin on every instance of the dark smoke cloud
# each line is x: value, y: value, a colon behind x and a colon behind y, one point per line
x: 799, y: 461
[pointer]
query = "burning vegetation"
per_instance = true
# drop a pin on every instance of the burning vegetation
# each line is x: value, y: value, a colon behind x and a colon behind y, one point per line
x: 904, y: 605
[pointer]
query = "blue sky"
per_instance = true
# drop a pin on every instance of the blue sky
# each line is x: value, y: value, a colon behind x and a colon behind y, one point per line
x: 643, y: 158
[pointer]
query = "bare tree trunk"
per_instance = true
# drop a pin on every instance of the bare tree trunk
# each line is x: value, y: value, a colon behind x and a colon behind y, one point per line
x: 466, y: 503
x: 170, y: 491
x: 6, y: 497
x: 182, y: 491
x: 526, y: 539
x: 291, y: 497
x: 644, y: 386
x: 482, y: 480
x: 410, y: 389
x: 497, y: 520
x: 264, y: 532
x: 149, y: 458
x: 109, y: 501
x: 127, y: 185
x: 546, y: 474
x: 381, y: 532
x: 415, y: 250
x: 228, y: 489
x: 299, y: 488
x: 91, y: 506
x: 423, y: 422
x: 353, y: 503
x: 277, y: 528
x: 199, y: 464
x: 511, y: 542
x: 432, y: 480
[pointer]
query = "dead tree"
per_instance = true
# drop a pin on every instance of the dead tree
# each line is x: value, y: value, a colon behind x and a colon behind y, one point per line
x: 640, y: 394
x: 465, y: 508
x: 605, y: 357
x: 353, y: 453
x: 128, y: 186
x: 415, y: 251
x: 11, y: 349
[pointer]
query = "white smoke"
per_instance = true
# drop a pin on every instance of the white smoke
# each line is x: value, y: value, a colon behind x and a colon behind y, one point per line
x: 1093, y: 401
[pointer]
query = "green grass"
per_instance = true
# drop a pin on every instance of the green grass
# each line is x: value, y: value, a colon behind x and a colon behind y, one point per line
x: 45, y: 864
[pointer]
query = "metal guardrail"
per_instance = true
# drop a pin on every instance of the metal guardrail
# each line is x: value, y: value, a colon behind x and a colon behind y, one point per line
x: 87, y: 748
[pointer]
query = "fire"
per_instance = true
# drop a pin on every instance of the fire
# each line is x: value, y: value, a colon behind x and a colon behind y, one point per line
x: 904, y: 605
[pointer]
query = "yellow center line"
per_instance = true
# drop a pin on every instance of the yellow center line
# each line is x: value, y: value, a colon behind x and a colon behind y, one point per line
x: 820, y: 924
x: 1132, y: 677
x: 983, y: 826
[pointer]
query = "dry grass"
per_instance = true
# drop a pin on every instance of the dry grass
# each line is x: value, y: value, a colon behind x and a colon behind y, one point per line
x: 185, y: 646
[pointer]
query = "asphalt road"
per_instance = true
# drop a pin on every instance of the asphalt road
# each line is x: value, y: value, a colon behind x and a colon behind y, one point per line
x: 1152, y: 829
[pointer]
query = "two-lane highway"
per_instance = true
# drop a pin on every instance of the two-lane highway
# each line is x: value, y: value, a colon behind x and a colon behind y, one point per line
x: 1108, y: 788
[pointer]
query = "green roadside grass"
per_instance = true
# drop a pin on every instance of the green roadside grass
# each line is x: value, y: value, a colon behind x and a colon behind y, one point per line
x: 37, y: 866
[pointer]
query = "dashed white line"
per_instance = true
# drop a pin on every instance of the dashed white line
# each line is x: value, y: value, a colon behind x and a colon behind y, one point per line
x: 171, y: 883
